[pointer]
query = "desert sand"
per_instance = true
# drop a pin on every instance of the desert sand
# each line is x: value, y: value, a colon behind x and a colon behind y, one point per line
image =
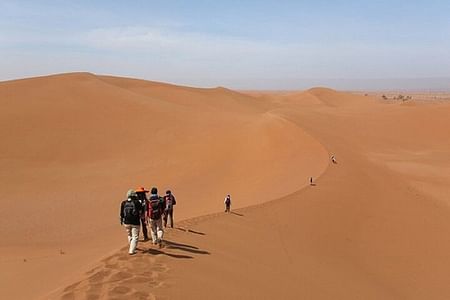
x: 376, y: 225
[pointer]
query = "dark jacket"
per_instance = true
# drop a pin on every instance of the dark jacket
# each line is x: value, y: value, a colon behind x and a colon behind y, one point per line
x: 144, y: 202
x: 169, y: 202
x: 131, y: 220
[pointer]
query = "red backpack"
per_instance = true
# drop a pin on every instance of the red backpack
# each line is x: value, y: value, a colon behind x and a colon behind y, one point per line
x: 155, y: 210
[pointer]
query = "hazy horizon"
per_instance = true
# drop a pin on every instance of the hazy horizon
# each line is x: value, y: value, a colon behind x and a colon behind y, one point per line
x: 286, y: 84
x: 350, y: 45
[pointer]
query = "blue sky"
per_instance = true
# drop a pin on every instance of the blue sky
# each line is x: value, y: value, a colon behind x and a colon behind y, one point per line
x: 237, y: 44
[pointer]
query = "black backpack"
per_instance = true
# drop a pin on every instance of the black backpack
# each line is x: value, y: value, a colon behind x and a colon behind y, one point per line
x: 155, y: 206
x: 129, y: 210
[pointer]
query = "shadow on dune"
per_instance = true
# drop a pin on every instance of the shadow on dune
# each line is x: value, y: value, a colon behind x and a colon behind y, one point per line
x: 196, y: 232
x: 159, y: 252
x: 170, y: 243
x: 190, y: 231
x: 237, y: 214
x: 184, y: 247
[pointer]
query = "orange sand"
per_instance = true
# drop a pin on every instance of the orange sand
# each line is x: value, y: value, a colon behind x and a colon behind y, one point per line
x: 375, y: 225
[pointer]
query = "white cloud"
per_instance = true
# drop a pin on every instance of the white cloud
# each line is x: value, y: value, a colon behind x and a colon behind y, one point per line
x: 185, y: 44
x: 205, y: 59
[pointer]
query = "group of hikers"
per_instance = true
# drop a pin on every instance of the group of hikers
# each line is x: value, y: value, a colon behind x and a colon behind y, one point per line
x: 138, y: 210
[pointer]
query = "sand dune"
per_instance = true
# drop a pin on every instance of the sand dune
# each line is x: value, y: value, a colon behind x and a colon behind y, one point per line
x: 375, y: 225
x: 75, y: 143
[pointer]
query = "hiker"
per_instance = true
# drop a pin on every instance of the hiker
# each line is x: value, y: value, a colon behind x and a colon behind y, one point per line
x: 142, y: 197
x: 333, y: 159
x: 169, y: 200
x: 130, y: 217
x: 310, y: 181
x: 155, y: 212
x: 227, y: 202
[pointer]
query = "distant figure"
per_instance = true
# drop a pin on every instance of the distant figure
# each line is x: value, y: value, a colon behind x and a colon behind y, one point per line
x: 227, y: 203
x: 333, y: 159
x: 169, y: 200
x: 130, y: 217
x: 142, y: 197
x: 311, y: 181
x: 155, y: 212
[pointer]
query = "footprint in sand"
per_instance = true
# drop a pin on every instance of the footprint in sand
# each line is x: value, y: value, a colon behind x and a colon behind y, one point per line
x: 93, y: 270
x: 142, y: 296
x: 120, y: 275
x: 72, y: 287
x: 155, y: 283
x: 147, y: 274
x: 92, y: 296
x: 68, y: 296
x: 111, y: 265
x: 140, y: 279
x: 99, y: 276
x: 123, y: 258
x: 159, y: 268
x: 119, y: 290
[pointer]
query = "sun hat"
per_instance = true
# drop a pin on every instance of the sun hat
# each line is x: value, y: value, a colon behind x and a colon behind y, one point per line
x: 141, y: 189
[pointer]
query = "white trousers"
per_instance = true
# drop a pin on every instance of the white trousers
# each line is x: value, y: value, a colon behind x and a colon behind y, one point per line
x: 133, y: 237
x: 156, y: 230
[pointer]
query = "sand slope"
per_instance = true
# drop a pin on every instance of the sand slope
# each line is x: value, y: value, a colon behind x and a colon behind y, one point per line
x: 74, y: 143
x: 375, y: 225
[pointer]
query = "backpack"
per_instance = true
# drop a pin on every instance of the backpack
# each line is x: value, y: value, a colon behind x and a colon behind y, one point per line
x: 129, y: 210
x: 170, y: 202
x: 155, y: 211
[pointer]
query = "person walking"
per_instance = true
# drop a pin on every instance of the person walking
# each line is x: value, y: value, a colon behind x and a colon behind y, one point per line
x: 142, y: 197
x: 130, y: 218
x: 227, y: 203
x: 169, y: 200
x: 333, y: 159
x: 155, y: 212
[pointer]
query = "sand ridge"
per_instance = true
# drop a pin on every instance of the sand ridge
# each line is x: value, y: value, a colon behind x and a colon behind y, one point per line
x: 74, y: 143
